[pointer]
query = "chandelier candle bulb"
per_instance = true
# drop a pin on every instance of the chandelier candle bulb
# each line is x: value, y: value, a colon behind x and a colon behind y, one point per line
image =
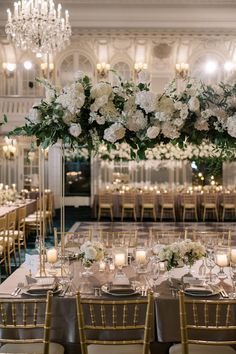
x: 233, y: 255
x: 222, y: 260
x: 119, y: 259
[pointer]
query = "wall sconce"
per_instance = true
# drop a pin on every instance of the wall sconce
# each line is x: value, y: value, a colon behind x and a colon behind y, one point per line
x: 9, y: 69
x: 9, y: 149
x: 182, y: 70
x: 45, y: 70
x: 102, y: 69
x: 140, y: 66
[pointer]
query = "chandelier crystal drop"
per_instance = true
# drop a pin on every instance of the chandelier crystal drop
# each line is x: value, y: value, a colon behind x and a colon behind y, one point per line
x: 38, y: 26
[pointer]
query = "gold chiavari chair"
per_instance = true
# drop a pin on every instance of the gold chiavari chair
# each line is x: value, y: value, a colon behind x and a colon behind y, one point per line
x: 118, y: 238
x: 128, y: 204
x: 148, y: 204
x: 33, y: 221
x: 165, y: 237
x: 3, y: 242
x: 105, y: 203
x: 129, y: 319
x: 210, y: 237
x: 201, y: 320
x: 10, y: 239
x: 25, y: 316
x: 228, y: 204
x: 210, y: 205
x: 189, y: 204
x: 167, y: 202
x: 19, y: 233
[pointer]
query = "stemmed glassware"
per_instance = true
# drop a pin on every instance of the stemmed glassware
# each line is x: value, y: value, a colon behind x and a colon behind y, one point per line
x: 233, y: 279
x: 222, y: 259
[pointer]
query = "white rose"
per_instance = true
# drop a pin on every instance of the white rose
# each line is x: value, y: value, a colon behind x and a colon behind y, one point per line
x: 90, y: 253
x: 101, y: 89
x: 146, y: 100
x: 152, y: 132
x: 68, y: 118
x: 231, y: 125
x: 75, y: 130
x: 137, y: 121
x: 98, y: 103
x: 115, y: 132
x: 194, y: 104
x: 35, y: 116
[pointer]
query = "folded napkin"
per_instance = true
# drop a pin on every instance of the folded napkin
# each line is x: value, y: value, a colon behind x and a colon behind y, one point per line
x: 198, y: 290
x: 121, y: 281
x: 41, y: 289
x: 122, y: 290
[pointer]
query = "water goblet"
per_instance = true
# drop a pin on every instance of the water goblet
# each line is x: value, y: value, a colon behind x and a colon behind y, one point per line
x: 210, y: 263
x: 233, y: 279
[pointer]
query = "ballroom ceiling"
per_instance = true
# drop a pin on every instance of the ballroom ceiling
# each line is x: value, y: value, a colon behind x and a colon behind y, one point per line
x: 216, y: 16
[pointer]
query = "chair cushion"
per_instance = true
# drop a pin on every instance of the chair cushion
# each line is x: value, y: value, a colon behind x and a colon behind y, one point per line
x: 31, y: 348
x: 228, y: 205
x: 105, y: 205
x: 202, y: 349
x: 189, y: 206
x: 148, y: 205
x: 167, y: 205
x: 209, y: 205
x: 115, y: 349
x: 128, y: 206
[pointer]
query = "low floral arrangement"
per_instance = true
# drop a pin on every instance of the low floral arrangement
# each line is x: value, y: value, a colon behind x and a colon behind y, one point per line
x: 91, y: 252
x: 176, y: 254
x: 82, y: 114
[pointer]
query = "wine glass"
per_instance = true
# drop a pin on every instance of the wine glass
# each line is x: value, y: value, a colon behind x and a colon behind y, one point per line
x: 210, y: 263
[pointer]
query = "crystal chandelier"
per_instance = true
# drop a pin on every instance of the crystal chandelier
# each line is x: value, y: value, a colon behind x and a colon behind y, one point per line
x: 36, y: 25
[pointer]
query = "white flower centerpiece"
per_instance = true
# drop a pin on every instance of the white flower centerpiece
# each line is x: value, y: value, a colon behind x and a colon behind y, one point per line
x: 89, y: 253
x: 186, y: 252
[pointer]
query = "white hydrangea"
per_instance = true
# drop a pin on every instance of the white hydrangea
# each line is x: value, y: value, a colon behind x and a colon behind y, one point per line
x: 161, y: 116
x: 231, y: 125
x: 50, y: 94
x: 153, y: 132
x: 109, y: 111
x: 68, y: 118
x: 72, y: 97
x: 165, y: 104
x: 201, y: 124
x: 169, y: 130
x: 98, y: 103
x: 194, y: 104
x: 115, y: 132
x: 146, y: 100
x: 35, y: 116
x: 137, y: 121
x: 75, y: 129
x: 101, y: 89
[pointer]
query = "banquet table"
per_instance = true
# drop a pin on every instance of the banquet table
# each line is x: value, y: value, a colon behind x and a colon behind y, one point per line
x: 117, y: 201
x: 29, y: 203
x: 64, y: 320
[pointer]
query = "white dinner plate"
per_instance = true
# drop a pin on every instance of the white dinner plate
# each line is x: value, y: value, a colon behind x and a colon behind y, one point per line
x: 105, y: 289
x: 215, y: 291
x: 41, y: 294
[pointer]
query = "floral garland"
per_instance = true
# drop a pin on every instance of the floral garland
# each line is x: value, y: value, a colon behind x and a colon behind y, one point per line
x: 86, y: 115
x: 178, y: 253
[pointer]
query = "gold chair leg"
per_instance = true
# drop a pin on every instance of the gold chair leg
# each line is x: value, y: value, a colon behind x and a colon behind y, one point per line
x: 174, y: 214
x: 142, y: 211
x: 154, y: 215
x: 111, y: 214
x: 161, y: 213
x: 99, y: 214
x: 184, y: 214
x: 135, y: 218
x: 122, y: 214
x: 196, y: 216
x: 204, y: 214
x: 217, y: 217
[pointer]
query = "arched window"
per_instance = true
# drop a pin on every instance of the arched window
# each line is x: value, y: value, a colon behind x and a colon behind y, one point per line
x: 29, y: 85
x: 71, y: 64
x: 123, y: 70
x: 208, y: 68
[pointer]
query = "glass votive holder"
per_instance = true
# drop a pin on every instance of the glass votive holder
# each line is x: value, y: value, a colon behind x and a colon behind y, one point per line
x: 222, y: 259
x: 52, y: 257
x: 120, y: 259
x: 141, y: 259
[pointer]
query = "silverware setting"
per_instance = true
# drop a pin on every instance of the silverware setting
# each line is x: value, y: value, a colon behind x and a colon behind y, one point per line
x: 223, y: 293
x: 16, y: 292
